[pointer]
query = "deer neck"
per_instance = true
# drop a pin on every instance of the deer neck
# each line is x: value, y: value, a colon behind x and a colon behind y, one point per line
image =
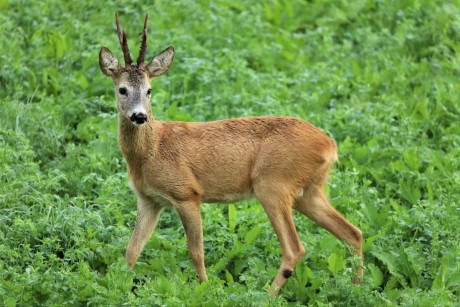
x: 137, y: 141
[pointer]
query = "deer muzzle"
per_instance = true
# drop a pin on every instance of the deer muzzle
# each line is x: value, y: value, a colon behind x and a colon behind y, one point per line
x: 138, y: 118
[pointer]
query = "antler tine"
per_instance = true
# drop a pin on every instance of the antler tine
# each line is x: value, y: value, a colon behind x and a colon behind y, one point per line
x: 123, y: 42
x: 141, y: 57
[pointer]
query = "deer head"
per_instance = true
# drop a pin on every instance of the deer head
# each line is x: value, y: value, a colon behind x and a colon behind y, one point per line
x: 132, y: 82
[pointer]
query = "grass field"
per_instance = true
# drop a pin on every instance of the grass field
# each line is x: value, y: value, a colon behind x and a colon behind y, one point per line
x: 380, y: 77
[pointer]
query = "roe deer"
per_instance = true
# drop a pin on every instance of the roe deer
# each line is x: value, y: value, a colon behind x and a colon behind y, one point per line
x: 282, y: 161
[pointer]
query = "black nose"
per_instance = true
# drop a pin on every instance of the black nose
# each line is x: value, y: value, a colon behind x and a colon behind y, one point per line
x: 138, y: 118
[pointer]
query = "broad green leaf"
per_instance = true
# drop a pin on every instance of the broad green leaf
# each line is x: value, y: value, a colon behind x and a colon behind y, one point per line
x: 410, y: 192
x: 202, y: 288
x: 361, y: 154
x: 252, y: 234
x: 412, y: 159
x: 377, y: 275
x: 369, y: 241
x: 228, y: 277
x: 336, y: 263
x: 240, y: 264
x: 163, y: 285
x: 447, y: 275
x: 221, y: 264
x: 392, y: 262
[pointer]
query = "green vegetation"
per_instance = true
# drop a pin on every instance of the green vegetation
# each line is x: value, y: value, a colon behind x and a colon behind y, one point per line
x: 381, y: 77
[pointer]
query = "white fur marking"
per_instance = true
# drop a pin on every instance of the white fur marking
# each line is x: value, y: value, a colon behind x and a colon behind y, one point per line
x: 137, y: 109
x: 300, y: 193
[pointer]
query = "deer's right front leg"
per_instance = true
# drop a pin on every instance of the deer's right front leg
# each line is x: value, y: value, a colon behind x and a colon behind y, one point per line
x: 148, y: 214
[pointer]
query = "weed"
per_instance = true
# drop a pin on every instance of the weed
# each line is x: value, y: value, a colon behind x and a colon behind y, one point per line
x: 381, y: 77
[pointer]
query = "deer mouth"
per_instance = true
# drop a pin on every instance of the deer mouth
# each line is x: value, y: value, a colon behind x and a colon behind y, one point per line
x: 138, y: 118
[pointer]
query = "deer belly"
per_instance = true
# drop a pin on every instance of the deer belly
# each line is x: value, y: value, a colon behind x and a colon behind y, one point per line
x: 226, y: 191
x: 228, y: 197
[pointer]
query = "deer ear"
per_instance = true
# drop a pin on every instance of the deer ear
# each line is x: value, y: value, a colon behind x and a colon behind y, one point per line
x: 161, y: 63
x: 108, y: 62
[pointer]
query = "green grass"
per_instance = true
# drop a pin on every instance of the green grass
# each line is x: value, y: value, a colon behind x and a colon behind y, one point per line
x: 381, y: 77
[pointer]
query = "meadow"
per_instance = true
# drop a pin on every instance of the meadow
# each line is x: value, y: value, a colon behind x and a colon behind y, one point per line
x: 380, y: 77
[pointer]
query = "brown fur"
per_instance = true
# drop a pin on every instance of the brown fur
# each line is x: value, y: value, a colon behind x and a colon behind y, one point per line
x: 281, y: 161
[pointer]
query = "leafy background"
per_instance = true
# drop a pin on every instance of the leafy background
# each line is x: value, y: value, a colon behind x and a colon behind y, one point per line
x: 381, y: 77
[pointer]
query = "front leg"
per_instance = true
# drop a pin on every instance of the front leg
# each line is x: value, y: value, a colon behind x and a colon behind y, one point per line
x: 148, y: 214
x: 189, y: 213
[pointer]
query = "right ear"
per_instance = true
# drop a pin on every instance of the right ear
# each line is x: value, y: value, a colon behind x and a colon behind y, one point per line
x: 108, y: 62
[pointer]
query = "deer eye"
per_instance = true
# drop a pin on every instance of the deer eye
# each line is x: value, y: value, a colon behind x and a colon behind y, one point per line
x: 149, y: 91
x: 122, y: 91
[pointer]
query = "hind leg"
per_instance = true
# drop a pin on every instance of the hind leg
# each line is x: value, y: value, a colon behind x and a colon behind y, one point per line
x: 316, y: 206
x: 279, y: 210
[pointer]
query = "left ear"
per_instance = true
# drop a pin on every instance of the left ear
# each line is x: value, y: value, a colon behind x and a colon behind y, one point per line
x: 161, y: 63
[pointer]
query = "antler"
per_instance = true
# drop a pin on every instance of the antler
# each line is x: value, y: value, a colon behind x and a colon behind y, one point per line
x: 123, y: 42
x: 140, y: 59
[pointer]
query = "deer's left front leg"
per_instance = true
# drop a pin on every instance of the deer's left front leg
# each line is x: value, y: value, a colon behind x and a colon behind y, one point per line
x: 148, y: 214
x: 189, y: 213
